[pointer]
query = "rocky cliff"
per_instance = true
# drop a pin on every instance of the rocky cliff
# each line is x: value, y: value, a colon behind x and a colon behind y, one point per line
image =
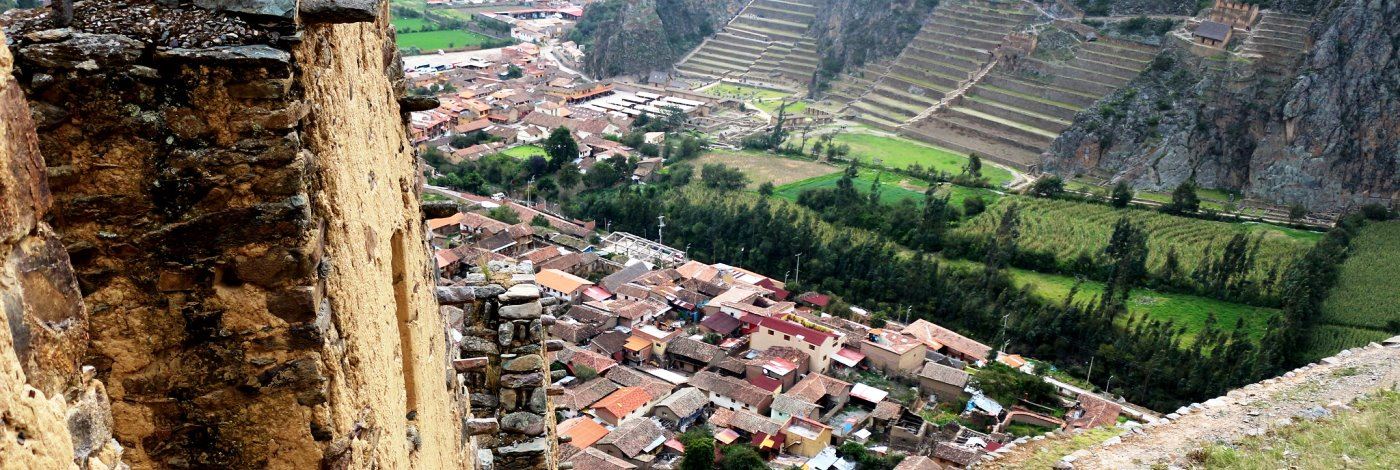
x: 851, y: 32
x: 639, y: 36
x: 1327, y: 137
x: 233, y: 188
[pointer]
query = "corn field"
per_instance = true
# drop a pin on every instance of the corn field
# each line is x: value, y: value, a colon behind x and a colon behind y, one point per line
x: 1367, y: 294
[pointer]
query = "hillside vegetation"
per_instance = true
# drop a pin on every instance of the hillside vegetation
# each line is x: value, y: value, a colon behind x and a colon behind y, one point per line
x: 1361, y: 438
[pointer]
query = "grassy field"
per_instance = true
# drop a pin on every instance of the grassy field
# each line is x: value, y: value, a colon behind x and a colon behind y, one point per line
x: 410, y: 24
x: 525, y: 151
x: 892, y: 187
x: 761, y: 167
x: 1068, y: 228
x: 442, y: 39
x: 741, y: 92
x: 1184, y: 311
x: 1360, y: 438
x: 1367, y: 294
x: 899, y: 152
x: 770, y: 106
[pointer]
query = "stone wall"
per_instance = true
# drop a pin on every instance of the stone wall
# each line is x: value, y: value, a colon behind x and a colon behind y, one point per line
x: 53, y: 414
x: 502, y: 361
x: 236, y: 191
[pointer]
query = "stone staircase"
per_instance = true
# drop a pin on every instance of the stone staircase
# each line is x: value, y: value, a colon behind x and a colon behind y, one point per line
x: 1276, y: 44
x: 767, y: 42
x: 953, y: 44
x: 1011, y: 116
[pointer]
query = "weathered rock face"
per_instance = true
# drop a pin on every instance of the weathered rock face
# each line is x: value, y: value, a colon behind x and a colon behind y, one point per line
x: 54, y: 414
x: 238, y: 198
x: 853, y: 32
x: 639, y: 36
x: 1329, y: 140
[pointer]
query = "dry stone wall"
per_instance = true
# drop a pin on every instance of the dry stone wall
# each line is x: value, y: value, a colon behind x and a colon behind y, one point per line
x: 234, y: 186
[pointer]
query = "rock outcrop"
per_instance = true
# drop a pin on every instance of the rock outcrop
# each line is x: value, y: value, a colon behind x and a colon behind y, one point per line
x: 639, y: 36
x: 1326, y: 138
x: 852, y: 32
x: 233, y: 184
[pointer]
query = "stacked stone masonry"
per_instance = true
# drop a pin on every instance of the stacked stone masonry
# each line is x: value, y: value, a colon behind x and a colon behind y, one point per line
x: 233, y: 183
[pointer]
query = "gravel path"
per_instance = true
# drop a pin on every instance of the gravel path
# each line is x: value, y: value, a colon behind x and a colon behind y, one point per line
x: 1305, y: 394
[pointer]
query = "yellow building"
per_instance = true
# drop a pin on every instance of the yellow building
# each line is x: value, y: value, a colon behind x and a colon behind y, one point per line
x: 806, y: 437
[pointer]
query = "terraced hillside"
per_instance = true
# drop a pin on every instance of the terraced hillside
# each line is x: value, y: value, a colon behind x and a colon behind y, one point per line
x: 1277, y: 44
x: 952, y: 46
x: 767, y: 42
x: 1015, y: 112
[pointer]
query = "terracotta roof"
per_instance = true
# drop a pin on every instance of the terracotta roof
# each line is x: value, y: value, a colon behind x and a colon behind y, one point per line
x: 540, y: 255
x: 594, y: 459
x: 931, y: 333
x: 638, y: 309
x: 588, y: 314
x: 624, y: 400
x: 955, y: 453
x: 734, y: 389
x: 574, y: 331
x: 583, y: 357
x: 693, y: 349
x: 560, y: 280
x: 1093, y: 411
x: 721, y: 323
x: 918, y: 462
x: 635, y: 437
x: 944, y: 374
x: 744, y: 420
x: 586, y: 394
x: 1015, y: 361
x: 636, y: 343
x: 569, y: 261
x: 685, y: 402
x: 610, y: 342
x: 891, y: 341
x: 630, y: 377
x: 583, y: 431
x: 454, y: 219
x: 815, y: 386
x: 633, y: 290
x: 886, y: 410
x: 741, y: 295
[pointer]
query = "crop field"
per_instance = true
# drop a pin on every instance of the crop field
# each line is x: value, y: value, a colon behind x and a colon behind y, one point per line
x: 411, y: 24
x: 1067, y: 229
x: 899, y: 152
x: 1326, y: 340
x: 761, y: 167
x: 442, y: 39
x: 525, y: 151
x: 892, y: 187
x: 1184, y: 311
x: 1367, y: 294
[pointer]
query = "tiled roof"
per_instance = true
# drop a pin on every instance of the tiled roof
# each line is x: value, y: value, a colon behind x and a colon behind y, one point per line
x: 793, y: 356
x: 1213, y: 30
x: 635, y: 310
x: 583, y: 357
x: 944, y: 374
x: 886, y: 410
x: 1093, y: 411
x: 734, y: 389
x: 624, y: 400
x: 540, y: 255
x: 569, y: 261
x: 891, y: 341
x: 721, y: 323
x: 635, y: 437
x: 630, y: 377
x: 612, y: 281
x: 685, y: 402
x: 929, y: 332
x: 918, y: 462
x: 560, y: 280
x: 955, y: 453
x: 586, y: 394
x: 693, y: 349
x: 744, y: 420
x: 815, y: 386
x: 594, y: 459
x: 582, y: 431
x: 793, y: 406
x: 633, y: 290
x: 588, y: 314
x: 610, y: 342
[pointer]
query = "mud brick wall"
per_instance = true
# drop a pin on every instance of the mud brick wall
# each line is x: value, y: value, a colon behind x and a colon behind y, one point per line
x: 233, y: 183
x: 503, y: 364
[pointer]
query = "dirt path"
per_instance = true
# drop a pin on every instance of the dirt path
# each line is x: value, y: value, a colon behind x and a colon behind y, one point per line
x: 1304, y: 394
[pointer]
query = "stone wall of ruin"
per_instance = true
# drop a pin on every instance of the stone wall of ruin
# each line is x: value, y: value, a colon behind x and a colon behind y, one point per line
x: 234, y: 187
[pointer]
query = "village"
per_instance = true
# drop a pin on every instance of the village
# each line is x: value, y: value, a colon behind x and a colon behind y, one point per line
x: 652, y: 344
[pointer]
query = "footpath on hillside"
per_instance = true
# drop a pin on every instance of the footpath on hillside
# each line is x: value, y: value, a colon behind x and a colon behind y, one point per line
x: 1307, y: 393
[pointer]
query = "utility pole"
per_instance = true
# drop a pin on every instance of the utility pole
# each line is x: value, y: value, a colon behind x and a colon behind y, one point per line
x: 797, y: 278
x: 528, y: 184
x: 660, y: 224
x: 1090, y: 376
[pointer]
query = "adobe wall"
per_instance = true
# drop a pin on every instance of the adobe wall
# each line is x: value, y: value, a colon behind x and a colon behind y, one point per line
x: 239, y: 200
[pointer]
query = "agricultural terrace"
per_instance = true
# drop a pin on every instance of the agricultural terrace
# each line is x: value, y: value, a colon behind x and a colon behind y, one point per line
x: 1067, y: 229
x: 1367, y: 294
x: 1186, y: 312
x: 899, y: 152
x: 524, y: 152
x: 761, y: 167
x: 893, y: 187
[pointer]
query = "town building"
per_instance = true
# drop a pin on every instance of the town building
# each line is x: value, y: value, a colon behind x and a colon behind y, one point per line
x: 773, y: 332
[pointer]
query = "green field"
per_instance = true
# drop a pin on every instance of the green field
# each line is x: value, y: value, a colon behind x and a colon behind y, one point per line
x: 892, y: 187
x: 770, y: 106
x: 1327, y: 340
x: 1183, y: 310
x: 1067, y: 229
x: 728, y: 90
x: 442, y: 39
x: 525, y: 151
x: 1367, y: 294
x: 899, y: 152
x: 410, y: 24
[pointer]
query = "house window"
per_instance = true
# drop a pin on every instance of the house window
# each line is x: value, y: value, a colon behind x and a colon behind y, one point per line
x: 811, y: 348
x: 770, y: 332
x: 787, y: 338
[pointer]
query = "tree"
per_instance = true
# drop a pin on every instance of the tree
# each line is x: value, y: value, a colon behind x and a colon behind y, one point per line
x: 568, y: 176
x: 741, y: 457
x: 514, y: 71
x: 1050, y: 186
x: 504, y: 214
x: 1297, y: 212
x: 878, y: 320
x: 699, y: 449
x: 766, y: 188
x: 1122, y: 195
x: 561, y: 147
x: 973, y: 206
x: 680, y: 174
x: 974, y: 166
x: 1184, y: 199
x: 1007, y: 385
x: 723, y: 177
x: 1003, y: 243
x: 603, y: 174
x: 585, y: 373
x: 539, y: 220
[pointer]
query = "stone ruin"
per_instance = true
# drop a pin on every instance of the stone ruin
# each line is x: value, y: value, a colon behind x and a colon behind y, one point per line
x: 212, y: 254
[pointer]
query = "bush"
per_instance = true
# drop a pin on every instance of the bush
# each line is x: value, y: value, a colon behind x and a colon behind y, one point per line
x: 1048, y: 187
x: 504, y: 214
